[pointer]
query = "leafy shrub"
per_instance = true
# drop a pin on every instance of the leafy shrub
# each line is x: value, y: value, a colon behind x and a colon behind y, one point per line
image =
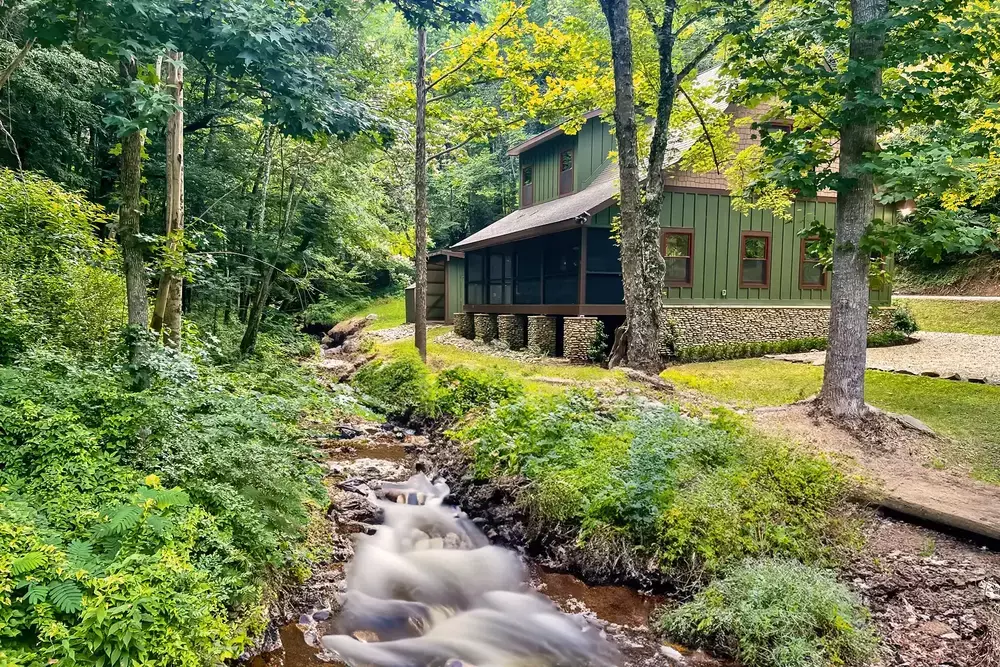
x: 903, y: 320
x: 776, y: 613
x: 59, y: 283
x: 160, y: 515
x: 395, y: 388
x: 459, y: 390
x: 695, y: 495
x: 596, y: 352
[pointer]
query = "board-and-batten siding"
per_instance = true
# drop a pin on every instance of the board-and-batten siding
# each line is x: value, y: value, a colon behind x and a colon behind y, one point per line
x: 717, y: 230
x: 590, y: 155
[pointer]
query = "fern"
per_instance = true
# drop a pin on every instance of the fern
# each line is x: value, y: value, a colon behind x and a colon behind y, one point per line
x: 66, y: 596
x: 37, y: 593
x: 123, y: 519
x: 28, y: 562
x: 80, y: 556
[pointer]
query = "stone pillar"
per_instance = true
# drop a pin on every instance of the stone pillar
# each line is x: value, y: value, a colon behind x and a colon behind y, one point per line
x: 542, y: 335
x: 464, y: 325
x: 486, y: 327
x: 512, y: 330
x: 579, y: 334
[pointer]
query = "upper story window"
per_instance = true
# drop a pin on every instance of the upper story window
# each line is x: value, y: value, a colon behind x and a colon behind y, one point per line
x: 677, y: 248
x: 527, y: 186
x: 755, y: 259
x: 566, y: 173
x: 812, y: 272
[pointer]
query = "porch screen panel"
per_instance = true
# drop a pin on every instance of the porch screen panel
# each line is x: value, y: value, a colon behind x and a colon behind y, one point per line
x: 528, y: 272
x: 604, y: 268
x: 501, y: 276
x: 562, y: 268
x: 474, y: 278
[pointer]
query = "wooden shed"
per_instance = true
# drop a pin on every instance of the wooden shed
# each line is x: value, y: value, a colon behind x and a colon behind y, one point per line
x: 445, y: 271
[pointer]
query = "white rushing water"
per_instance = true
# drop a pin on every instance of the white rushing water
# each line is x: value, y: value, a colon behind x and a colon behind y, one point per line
x: 428, y: 590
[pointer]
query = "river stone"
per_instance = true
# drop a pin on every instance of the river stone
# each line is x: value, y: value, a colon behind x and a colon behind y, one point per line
x: 368, y: 469
x: 672, y: 654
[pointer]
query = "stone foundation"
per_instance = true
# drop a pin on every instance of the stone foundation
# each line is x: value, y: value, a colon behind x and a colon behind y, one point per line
x: 512, y: 330
x: 579, y: 334
x: 706, y: 325
x: 464, y: 325
x: 486, y: 327
x: 542, y: 335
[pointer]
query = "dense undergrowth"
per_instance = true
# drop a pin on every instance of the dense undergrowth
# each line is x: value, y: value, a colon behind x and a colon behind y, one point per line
x: 148, y: 526
x: 701, y: 498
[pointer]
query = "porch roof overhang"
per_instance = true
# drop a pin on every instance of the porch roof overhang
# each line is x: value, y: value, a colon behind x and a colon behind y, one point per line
x: 552, y: 216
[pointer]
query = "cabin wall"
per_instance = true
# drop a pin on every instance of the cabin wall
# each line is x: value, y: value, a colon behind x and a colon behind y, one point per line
x: 544, y: 161
x: 456, y: 287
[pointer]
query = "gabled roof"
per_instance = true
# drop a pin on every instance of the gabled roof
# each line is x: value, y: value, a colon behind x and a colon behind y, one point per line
x: 577, y: 208
x: 542, y: 218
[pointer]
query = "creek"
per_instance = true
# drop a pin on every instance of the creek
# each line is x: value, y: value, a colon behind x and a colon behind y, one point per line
x: 366, y: 454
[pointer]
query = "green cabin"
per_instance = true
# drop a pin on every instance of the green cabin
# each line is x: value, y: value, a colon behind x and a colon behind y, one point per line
x: 729, y: 276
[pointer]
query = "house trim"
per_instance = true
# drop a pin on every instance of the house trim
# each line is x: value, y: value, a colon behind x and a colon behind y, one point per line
x: 744, y: 235
x: 803, y: 285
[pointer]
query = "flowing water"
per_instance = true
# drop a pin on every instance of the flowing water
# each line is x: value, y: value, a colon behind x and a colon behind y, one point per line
x: 384, y: 567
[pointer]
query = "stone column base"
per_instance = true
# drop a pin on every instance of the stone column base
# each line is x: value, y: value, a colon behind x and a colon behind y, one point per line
x: 579, y: 334
x: 464, y: 325
x: 511, y: 330
x: 486, y: 327
x: 542, y: 335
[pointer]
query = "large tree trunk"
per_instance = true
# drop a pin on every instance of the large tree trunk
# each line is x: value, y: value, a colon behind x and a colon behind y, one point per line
x: 642, y: 266
x: 130, y: 181
x: 420, y: 187
x: 843, y: 393
x: 167, y: 313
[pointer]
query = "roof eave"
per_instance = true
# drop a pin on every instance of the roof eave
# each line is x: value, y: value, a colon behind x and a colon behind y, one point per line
x: 551, y: 133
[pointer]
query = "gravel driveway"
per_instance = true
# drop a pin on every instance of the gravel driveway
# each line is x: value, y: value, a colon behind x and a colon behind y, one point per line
x: 955, y: 356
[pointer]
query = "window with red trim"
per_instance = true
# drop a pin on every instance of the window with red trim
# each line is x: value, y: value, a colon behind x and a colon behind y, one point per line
x: 677, y: 248
x: 812, y: 271
x: 527, y: 186
x: 755, y: 259
x: 566, y: 173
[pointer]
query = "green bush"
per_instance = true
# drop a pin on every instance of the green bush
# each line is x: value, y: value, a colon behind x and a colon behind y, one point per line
x: 903, y: 320
x: 59, y: 283
x: 696, y: 495
x: 460, y: 390
x: 776, y: 613
x: 144, y: 526
x: 395, y: 388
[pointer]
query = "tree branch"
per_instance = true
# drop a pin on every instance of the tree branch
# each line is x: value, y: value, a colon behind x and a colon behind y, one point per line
x: 468, y: 59
x: 445, y: 96
x: 441, y: 154
x: 6, y: 74
x: 704, y: 128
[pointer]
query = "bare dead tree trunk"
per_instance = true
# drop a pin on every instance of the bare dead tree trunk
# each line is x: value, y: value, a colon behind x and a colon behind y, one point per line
x: 642, y: 266
x: 168, y: 309
x: 130, y: 181
x: 843, y: 392
x: 420, y: 187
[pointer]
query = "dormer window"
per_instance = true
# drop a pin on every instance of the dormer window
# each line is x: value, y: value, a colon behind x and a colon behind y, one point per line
x: 527, y: 187
x: 566, y: 173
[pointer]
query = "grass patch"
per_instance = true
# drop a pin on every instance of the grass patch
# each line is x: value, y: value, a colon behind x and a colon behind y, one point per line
x: 965, y: 412
x: 391, y: 311
x: 971, y: 317
x: 776, y: 613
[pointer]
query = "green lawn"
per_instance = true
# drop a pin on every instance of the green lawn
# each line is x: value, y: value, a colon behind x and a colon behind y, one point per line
x: 391, y: 312
x: 974, y: 317
x: 967, y: 413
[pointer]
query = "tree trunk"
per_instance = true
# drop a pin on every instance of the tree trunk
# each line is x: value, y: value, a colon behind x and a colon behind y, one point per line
x: 130, y: 180
x: 642, y: 266
x: 843, y: 392
x: 420, y: 187
x: 167, y: 314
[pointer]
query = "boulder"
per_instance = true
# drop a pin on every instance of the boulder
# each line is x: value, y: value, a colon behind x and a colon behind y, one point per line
x: 352, y: 345
x: 344, y: 330
x: 339, y: 368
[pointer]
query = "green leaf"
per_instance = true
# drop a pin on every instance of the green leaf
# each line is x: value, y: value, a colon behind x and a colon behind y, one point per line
x: 66, y: 596
x: 28, y: 562
x: 123, y: 519
x: 37, y: 593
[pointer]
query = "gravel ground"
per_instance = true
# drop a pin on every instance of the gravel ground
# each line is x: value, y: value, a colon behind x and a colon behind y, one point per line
x: 955, y: 356
x: 396, y: 333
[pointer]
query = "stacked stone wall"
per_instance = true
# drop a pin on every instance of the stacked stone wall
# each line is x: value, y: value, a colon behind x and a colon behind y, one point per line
x: 542, y: 335
x: 707, y: 325
x: 464, y: 325
x: 486, y: 327
x: 512, y: 331
x: 579, y: 334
